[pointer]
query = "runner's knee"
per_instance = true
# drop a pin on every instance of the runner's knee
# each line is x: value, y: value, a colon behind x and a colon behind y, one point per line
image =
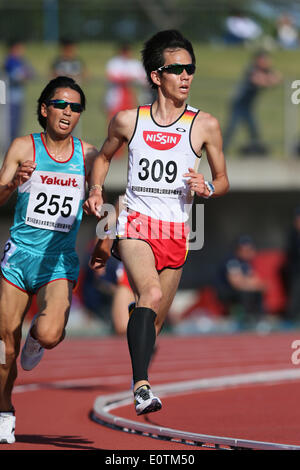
x: 49, y: 336
x: 151, y: 297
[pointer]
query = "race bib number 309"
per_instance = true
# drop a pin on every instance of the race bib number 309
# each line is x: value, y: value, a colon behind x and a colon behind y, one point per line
x: 156, y: 175
x: 54, y: 200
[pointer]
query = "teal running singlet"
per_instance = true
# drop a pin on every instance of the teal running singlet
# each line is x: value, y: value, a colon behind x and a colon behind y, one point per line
x: 41, y: 248
x: 49, y: 205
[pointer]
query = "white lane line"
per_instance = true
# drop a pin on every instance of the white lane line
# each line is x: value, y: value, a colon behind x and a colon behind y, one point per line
x: 233, y: 380
x: 187, y: 385
x: 105, y: 404
x: 69, y: 383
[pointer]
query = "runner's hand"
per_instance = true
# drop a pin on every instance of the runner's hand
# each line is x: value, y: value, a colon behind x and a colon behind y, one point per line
x: 100, y: 254
x: 196, y: 182
x: 23, y: 173
x: 92, y: 206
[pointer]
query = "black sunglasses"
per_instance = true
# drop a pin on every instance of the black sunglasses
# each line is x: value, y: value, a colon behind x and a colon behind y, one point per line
x: 177, y: 69
x: 62, y: 104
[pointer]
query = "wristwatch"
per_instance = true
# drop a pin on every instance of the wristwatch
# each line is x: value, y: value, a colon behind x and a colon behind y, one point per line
x: 211, y: 189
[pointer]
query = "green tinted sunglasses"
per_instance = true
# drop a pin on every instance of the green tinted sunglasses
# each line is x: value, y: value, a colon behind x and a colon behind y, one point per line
x: 62, y: 104
x: 177, y: 69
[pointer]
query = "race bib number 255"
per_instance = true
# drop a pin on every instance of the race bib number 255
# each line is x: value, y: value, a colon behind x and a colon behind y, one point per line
x: 54, y: 201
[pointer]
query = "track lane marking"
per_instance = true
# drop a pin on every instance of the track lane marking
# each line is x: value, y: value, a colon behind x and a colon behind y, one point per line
x: 105, y: 404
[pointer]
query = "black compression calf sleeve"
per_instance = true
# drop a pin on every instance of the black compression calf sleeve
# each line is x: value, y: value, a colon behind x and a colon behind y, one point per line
x: 141, y: 336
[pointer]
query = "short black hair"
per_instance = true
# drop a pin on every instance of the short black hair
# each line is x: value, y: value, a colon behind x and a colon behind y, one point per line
x: 14, y: 42
x: 152, y: 53
x: 49, y: 91
x: 261, y: 53
x: 67, y: 41
x: 244, y: 239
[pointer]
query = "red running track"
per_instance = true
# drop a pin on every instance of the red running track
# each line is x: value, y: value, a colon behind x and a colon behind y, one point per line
x: 53, y: 402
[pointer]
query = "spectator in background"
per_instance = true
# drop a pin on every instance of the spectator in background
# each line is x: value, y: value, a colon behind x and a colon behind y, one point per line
x: 123, y: 302
x: 18, y: 72
x: 259, y: 75
x: 106, y: 291
x: 123, y: 73
x: 239, y: 29
x: 68, y: 63
x: 293, y: 269
x: 287, y: 34
x: 98, y: 289
x: 238, y: 284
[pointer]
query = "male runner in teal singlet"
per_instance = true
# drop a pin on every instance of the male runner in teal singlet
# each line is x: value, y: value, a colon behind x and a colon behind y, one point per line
x: 165, y: 141
x: 49, y: 171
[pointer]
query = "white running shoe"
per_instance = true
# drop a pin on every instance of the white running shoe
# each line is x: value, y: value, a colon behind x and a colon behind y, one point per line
x: 7, y: 428
x: 145, y: 401
x: 32, y: 353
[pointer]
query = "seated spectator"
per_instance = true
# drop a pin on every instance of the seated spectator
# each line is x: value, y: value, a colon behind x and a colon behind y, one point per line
x: 122, y: 299
x: 98, y: 288
x: 238, y: 284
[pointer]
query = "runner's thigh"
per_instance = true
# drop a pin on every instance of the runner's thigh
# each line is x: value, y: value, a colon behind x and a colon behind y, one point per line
x: 54, y: 302
x: 14, y: 303
x: 139, y: 263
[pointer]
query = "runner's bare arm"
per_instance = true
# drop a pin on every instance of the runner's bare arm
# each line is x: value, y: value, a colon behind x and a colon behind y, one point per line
x: 101, y: 253
x: 215, y: 156
x: 119, y: 131
x: 102, y: 249
x: 90, y: 154
x: 207, y: 134
x: 17, y: 167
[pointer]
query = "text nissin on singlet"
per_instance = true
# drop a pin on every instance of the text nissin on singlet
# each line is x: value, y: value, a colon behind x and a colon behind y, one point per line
x: 59, y: 181
x: 161, y: 140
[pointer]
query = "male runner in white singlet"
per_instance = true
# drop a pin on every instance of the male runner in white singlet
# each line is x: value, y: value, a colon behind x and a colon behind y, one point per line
x: 165, y: 142
x: 49, y: 171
